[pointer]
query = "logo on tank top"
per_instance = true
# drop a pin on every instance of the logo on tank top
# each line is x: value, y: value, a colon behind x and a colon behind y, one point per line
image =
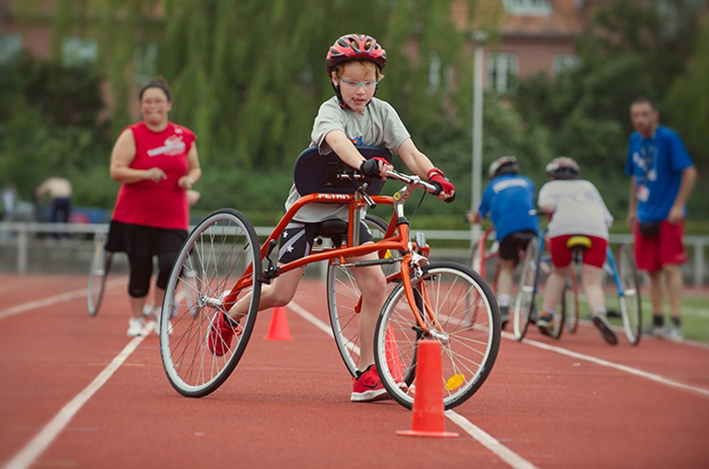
x: 173, y: 146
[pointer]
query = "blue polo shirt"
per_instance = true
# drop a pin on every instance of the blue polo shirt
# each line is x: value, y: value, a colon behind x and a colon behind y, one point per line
x: 656, y: 163
x: 508, y: 200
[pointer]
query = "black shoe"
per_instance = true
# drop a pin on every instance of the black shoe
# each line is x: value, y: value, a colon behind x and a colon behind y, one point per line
x: 504, y: 316
x: 600, y: 321
x: 614, y: 314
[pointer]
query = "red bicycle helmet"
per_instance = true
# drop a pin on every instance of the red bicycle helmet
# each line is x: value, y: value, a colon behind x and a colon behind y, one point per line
x: 355, y: 47
x: 563, y: 167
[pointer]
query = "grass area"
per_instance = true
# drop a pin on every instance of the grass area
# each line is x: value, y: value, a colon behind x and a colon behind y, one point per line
x: 695, y: 314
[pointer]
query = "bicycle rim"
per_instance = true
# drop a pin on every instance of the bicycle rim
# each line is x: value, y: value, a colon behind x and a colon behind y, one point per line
x: 468, y: 352
x: 100, y: 266
x: 525, y: 292
x: 216, y: 254
x: 571, y: 298
x: 630, y: 301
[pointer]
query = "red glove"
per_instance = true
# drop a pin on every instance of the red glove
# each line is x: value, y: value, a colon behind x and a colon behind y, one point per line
x: 436, y: 177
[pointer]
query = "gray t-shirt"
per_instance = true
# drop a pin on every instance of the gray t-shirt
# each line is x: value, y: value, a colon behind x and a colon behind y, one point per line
x: 379, y: 126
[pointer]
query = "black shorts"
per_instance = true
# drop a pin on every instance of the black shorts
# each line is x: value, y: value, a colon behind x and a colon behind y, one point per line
x: 513, y: 243
x: 143, y: 241
x: 297, y: 239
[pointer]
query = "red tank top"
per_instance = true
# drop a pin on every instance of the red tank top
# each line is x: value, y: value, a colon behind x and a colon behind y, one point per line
x: 161, y: 205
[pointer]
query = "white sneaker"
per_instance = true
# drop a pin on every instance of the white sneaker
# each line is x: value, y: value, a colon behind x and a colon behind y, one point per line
x: 154, y: 317
x: 136, y: 327
x: 671, y: 332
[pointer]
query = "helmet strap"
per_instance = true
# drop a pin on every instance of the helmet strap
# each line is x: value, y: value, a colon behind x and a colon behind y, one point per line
x: 339, y: 97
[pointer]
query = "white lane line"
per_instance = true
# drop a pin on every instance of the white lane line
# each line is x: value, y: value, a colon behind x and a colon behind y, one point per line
x: 504, y: 453
x: 51, y: 300
x: 29, y: 454
x: 599, y: 361
x: 510, y: 457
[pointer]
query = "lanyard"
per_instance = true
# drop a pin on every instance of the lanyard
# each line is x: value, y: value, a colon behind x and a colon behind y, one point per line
x: 648, y: 156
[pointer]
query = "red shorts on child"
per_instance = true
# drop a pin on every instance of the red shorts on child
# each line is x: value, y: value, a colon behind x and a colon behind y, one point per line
x: 561, y: 255
x: 666, y: 248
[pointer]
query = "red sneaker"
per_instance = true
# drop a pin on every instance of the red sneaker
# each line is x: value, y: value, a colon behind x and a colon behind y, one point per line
x: 368, y: 387
x: 220, y: 335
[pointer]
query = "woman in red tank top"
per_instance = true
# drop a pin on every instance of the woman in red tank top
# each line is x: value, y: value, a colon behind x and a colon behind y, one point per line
x: 156, y: 163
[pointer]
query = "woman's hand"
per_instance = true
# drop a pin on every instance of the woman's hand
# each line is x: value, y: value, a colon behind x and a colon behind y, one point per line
x: 185, y: 182
x: 154, y: 174
x: 192, y: 197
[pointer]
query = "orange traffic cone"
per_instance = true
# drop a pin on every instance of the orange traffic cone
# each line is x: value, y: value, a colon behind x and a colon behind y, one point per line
x: 278, y: 329
x: 428, y: 418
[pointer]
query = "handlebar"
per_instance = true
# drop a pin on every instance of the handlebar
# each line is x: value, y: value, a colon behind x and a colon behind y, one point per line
x: 412, y: 180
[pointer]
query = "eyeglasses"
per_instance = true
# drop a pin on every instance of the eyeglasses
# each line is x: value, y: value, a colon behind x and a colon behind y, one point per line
x: 151, y: 102
x: 354, y: 84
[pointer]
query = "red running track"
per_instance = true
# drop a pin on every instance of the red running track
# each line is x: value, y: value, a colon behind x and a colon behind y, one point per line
x: 286, y: 404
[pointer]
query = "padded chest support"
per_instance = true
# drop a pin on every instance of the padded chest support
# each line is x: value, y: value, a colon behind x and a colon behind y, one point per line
x: 315, y: 173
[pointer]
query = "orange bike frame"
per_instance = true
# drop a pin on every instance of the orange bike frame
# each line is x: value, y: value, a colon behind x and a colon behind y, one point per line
x: 391, y: 241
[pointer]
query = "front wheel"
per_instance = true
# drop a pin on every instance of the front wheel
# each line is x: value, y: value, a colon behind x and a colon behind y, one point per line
x: 630, y: 301
x: 100, y: 266
x: 571, y: 303
x: 459, y: 310
x: 525, y: 292
x: 221, y: 253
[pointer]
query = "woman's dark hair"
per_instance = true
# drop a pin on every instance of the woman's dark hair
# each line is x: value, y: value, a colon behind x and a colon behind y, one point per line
x: 158, y: 82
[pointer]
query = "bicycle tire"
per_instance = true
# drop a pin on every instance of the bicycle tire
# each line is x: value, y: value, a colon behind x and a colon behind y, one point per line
x: 343, y: 296
x: 571, y: 305
x: 215, y: 255
x: 630, y: 300
x: 525, y: 290
x: 448, y: 287
x: 538, y: 299
x: 98, y: 272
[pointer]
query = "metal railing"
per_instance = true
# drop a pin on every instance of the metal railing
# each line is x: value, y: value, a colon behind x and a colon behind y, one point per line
x: 19, y: 234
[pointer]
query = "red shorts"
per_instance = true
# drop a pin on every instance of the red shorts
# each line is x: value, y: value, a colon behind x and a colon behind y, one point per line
x: 667, y: 248
x: 561, y: 255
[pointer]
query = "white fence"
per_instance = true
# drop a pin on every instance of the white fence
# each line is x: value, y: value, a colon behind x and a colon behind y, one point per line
x: 17, y: 235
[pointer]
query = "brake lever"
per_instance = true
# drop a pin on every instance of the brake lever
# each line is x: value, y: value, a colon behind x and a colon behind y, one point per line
x: 361, y: 189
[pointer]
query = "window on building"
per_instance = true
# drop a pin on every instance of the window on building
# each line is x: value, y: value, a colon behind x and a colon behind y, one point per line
x: 77, y: 51
x: 502, y: 72
x: 10, y: 45
x: 145, y: 59
x: 562, y: 63
x: 527, y: 7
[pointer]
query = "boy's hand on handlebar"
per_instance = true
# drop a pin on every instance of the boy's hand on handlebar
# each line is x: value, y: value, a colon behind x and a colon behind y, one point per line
x: 375, y: 167
x: 446, y: 190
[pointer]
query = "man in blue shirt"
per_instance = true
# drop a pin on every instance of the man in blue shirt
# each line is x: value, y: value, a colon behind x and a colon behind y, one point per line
x: 662, y: 177
x: 508, y: 199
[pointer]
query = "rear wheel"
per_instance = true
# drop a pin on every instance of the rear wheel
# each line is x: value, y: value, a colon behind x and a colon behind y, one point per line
x: 630, y: 301
x: 343, y: 298
x: 525, y: 291
x: 100, y: 266
x: 447, y: 291
x: 220, y: 252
